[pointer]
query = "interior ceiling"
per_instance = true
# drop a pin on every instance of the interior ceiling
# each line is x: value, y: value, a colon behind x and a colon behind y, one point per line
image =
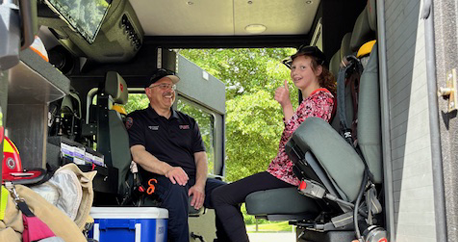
x: 224, y: 17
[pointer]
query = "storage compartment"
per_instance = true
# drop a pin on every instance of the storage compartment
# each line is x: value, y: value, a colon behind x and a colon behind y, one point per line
x: 32, y: 84
x: 129, y: 224
x: 75, y: 152
x: 60, y: 151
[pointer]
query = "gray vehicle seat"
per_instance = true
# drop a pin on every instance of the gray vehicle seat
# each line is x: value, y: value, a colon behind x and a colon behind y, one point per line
x: 64, y: 122
x: 338, y: 166
x: 317, y: 142
x: 334, y: 64
x: 65, y: 116
x: 71, y: 113
x: 112, y: 137
x: 345, y: 45
x: 281, y: 204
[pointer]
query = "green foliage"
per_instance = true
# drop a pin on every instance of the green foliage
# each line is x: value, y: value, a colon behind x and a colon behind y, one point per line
x: 137, y: 101
x: 85, y: 16
x: 263, y: 225
x: 248, y: 219
x: 253, y: 126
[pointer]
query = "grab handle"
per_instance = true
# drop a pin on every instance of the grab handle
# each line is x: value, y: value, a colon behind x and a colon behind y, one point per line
x: 28, y: 11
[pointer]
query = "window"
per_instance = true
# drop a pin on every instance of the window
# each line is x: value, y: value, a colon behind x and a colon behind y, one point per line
x: 206, y: 122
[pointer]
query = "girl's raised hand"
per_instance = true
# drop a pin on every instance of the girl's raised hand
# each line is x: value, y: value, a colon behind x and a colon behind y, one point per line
x: 282, y: 95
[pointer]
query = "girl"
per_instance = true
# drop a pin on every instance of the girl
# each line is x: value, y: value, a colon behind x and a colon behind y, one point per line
x: 317, y: 84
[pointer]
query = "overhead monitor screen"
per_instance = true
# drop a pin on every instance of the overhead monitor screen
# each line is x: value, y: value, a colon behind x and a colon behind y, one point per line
x: 84, y: 16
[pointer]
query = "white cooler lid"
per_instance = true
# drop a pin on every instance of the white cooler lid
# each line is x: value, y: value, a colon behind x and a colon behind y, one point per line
x: 129, y: 212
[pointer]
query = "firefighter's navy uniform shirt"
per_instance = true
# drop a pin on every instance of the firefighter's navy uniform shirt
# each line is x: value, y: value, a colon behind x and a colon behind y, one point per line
x: 173, y: 140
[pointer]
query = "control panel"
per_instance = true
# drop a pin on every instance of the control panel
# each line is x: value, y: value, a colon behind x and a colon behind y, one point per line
x: 129, y: 31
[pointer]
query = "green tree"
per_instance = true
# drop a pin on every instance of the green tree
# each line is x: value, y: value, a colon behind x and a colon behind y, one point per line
x: 137, y: 101
x: 253, y: 130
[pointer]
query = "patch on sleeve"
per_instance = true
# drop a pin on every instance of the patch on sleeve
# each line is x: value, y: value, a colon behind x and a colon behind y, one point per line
x: 129, y: 122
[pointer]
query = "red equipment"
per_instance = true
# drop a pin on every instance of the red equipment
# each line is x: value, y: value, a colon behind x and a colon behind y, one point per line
x: 12, y: 166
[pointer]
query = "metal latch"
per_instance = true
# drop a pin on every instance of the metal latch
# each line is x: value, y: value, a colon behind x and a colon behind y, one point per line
x: 449, y: 92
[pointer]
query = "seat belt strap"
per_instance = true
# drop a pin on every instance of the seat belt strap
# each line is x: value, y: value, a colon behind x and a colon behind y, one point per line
x: 345, y: 131
x: 348, y: 76
x: 369, y: 173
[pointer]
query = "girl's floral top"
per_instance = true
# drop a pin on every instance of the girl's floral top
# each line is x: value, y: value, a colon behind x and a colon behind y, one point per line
x: 319, y: 104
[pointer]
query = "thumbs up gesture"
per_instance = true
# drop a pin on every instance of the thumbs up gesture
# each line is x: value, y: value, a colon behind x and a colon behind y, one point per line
x: 282, y: 95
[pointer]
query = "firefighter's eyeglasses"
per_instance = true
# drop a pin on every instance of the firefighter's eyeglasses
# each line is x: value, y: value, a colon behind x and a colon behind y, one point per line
x: 164, y: 86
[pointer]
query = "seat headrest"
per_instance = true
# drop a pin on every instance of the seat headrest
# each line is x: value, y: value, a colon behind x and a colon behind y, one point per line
x: 334, y: 64
x: 67, y: 105
x: 372, y: 14
x: 361, y: 31
x: 345, y: 46
x: 116, y: 87
x: 71, y: 104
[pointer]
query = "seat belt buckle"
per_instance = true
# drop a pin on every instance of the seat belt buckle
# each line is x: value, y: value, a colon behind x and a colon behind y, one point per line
x: 347, y: 134
x: 311, y: 189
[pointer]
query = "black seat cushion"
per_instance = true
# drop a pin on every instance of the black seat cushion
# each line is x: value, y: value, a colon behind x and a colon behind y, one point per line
x: 280, y: 201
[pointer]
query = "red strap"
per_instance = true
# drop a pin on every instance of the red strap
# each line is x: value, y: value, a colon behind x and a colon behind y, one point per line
x: 319, y: 89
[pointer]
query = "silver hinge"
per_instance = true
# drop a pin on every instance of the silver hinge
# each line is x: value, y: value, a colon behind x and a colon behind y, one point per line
x: 449, y: 92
